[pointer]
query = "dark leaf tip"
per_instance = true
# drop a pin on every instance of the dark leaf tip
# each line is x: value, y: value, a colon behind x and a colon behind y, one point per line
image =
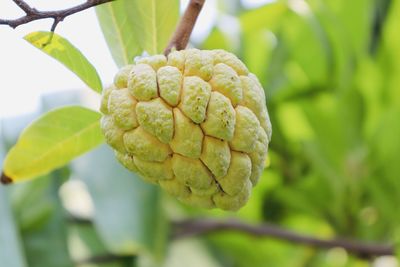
x: 5, y: 179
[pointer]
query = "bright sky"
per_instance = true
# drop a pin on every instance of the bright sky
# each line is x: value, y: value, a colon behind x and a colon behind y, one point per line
x: 26, y: 73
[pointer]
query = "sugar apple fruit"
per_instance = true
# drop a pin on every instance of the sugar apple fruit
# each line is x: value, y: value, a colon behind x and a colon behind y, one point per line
x: 194, y: 122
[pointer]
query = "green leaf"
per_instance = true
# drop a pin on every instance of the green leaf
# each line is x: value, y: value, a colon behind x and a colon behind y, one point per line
x: 258, y: 47
x: 62, y: 50
x: 218, y: 39
x: 354, y: 20
x: 52, y: 141
x: 128, y: 214
x: 132, y: 27
x: 268, y: 16
x: 389, y: 57
x: 342, y: 59
x: 309, y: 50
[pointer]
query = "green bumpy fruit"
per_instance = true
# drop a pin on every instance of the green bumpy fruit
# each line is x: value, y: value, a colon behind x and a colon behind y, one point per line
x: 194, y: 123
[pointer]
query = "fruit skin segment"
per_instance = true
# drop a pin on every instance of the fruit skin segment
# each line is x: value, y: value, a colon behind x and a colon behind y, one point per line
x: 195, y: 97
x: 188, y: 136
x: 194, y: 122
x: 220, y: 118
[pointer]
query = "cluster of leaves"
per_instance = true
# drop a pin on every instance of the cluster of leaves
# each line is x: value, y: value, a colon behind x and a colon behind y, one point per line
x: 329, y: 70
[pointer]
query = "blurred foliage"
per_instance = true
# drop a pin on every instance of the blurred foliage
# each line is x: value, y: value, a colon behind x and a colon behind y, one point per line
x: 330, y: 69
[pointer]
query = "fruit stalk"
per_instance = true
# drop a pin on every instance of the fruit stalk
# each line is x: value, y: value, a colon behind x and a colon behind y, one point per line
x: 185, y: 27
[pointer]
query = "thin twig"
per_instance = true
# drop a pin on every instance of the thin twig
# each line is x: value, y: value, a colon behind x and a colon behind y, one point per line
x: 32, y: 14
x: 203, y: 226
x: 185, y: 27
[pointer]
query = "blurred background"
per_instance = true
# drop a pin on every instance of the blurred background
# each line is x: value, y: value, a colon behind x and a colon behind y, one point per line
x: 331, y: 73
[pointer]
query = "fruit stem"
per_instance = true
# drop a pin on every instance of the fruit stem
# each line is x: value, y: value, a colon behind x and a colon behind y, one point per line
x: 4, y: 179
x: 185, y: 27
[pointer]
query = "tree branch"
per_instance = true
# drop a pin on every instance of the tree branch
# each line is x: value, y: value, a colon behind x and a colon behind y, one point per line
x: 185, y: 27
x: 32, y: 14
x: 203, y: 226
x: 187, y: 228
x: 24, y: 6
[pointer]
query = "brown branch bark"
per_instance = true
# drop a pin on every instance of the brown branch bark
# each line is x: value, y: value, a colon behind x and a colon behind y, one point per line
x: 185, y: 27
x: 204, y: 226
x: 194, y: 227
x: 32, y: 14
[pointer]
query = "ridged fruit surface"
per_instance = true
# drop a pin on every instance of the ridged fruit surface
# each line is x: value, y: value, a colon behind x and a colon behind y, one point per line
x: 194, y: 123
